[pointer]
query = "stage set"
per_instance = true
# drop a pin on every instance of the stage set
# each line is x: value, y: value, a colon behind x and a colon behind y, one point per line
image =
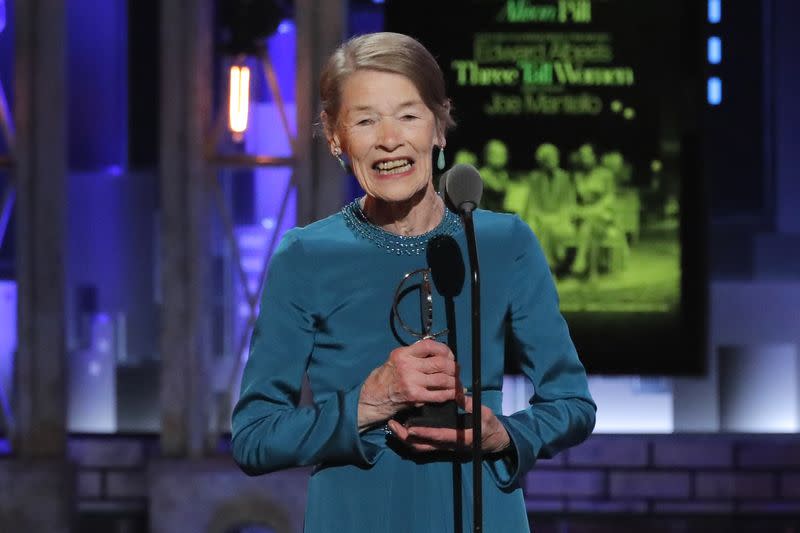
x: 154, y: 152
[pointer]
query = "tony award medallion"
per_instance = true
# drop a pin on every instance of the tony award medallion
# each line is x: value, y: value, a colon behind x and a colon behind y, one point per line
x: 425, y: 305
x: 443, y: 414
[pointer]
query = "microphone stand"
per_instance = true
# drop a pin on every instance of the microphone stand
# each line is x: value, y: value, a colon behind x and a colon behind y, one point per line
x: 475, y: 283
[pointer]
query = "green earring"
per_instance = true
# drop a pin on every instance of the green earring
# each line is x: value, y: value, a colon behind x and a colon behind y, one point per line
x: 337, y: 153
x: 440, y: 159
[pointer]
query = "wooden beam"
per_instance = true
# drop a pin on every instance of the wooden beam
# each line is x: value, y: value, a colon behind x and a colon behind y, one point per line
x: 40, y: 112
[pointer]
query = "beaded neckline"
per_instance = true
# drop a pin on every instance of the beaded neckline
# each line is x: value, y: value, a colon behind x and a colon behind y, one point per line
x: 358, y: 222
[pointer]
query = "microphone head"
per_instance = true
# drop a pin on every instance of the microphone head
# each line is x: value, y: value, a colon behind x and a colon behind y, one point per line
x: 463, y: 187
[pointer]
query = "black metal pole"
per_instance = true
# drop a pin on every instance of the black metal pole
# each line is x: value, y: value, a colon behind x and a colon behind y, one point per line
x: 477, y: 452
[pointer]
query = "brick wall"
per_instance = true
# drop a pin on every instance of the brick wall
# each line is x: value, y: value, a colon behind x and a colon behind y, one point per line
x: 112, y: 471
x: 641, y: 474
x: 671, y: 474
x: 35, y: 495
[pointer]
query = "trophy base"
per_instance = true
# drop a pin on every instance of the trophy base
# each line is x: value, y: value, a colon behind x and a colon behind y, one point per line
x: 436, y: 415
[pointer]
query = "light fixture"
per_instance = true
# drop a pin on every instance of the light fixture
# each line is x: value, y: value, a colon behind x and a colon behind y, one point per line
x: 238, y: 100
x: 714, y: 90
x: 714, y: 50
x: 714, y: 11
x: 244, y: 27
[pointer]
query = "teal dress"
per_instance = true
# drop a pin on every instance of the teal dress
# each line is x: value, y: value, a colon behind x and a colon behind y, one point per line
x: 326, y: 311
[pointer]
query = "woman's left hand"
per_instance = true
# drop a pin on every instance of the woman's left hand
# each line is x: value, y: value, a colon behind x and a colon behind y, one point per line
x: 494, y: 436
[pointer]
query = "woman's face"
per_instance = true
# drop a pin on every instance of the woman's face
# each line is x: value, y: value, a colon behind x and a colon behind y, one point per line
x: 388, y: 133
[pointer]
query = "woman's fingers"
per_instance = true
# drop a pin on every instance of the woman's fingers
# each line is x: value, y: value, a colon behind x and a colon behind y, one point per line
x: 423, y: 394
x: 426, y: 372
x: 437, y: 364
x: 423, y: 372
x: 415, y: 387
x: 440, y: 381
x: 428, y: 348
x: 440, y: 395
x: 401, y: 433
x: 494, y: 436
x: 441, y: 438
x: 464, y: 401
x: 398, y: 429
x: 425, y: 439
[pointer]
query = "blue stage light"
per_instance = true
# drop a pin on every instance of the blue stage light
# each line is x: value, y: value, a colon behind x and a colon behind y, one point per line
x: 714, y: 90
x: 714, y: 11
x: 714, y: 50
x: 286, y: 26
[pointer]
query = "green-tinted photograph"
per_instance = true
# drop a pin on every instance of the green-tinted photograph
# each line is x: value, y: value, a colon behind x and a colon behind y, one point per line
x: 612, y: 243
x: 580, y: 122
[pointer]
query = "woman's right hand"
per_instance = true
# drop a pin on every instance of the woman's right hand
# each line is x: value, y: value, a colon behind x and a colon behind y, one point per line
x: 425, y: 372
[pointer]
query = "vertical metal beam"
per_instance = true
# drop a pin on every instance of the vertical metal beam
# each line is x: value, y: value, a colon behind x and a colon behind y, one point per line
x: 306, y: 94
x: 331, y: 180
x: 321, y: 26
x: 40, y: 112
x: 186, y: 88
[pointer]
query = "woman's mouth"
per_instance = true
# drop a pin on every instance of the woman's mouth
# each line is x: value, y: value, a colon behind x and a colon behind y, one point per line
x: 395, y: 166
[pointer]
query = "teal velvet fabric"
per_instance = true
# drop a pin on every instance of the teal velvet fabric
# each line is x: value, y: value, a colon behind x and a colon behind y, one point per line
x: 326, y: 312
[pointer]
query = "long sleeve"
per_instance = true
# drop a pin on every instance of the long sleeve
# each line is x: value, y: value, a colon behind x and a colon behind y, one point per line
x: 270, y: 431
x: 561, y: 412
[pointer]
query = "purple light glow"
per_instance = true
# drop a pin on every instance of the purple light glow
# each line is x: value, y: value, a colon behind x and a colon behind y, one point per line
x: 287, y: 26
x: 8, y: 345
x: 114, y: 170
x: 271, y: 184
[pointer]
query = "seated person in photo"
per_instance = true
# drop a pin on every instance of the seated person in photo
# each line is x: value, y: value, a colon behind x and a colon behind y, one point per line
x: 627, y: 201
x: 595, y: 203
x: 495, y: 175
x: 550, y: 207
x: 621, y: 169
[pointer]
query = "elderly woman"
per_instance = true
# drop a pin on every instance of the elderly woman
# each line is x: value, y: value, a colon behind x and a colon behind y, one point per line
x: 326, y: 313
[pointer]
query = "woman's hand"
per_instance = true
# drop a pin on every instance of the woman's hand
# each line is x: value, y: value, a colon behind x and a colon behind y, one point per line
x: 494, y: 436
x: 425, y: 372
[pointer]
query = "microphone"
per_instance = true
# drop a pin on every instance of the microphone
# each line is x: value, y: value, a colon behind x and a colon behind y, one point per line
x: 463, y: 187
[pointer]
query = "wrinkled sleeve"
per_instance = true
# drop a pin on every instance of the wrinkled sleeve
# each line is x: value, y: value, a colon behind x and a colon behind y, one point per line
x: 561, y: 412
x: 269, y: 430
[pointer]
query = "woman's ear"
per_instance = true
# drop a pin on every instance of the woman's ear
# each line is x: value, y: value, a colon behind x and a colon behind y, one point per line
x: 334, y: 142
x: 440, y: 130
x: 441, y: 126
x: 441, y: 142
x: 335, y: 145
x: 327, y: 127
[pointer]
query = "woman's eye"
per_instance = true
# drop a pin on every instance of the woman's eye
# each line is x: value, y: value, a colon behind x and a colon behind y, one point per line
x: 364, y: 122
x: 409, y: 117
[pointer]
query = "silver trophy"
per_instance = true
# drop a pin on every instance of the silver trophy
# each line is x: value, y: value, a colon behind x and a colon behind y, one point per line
x: 425, y: 305
x: 431, y: 415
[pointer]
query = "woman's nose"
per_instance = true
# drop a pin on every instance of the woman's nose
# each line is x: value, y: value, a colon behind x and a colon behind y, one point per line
x: 389, y: 134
